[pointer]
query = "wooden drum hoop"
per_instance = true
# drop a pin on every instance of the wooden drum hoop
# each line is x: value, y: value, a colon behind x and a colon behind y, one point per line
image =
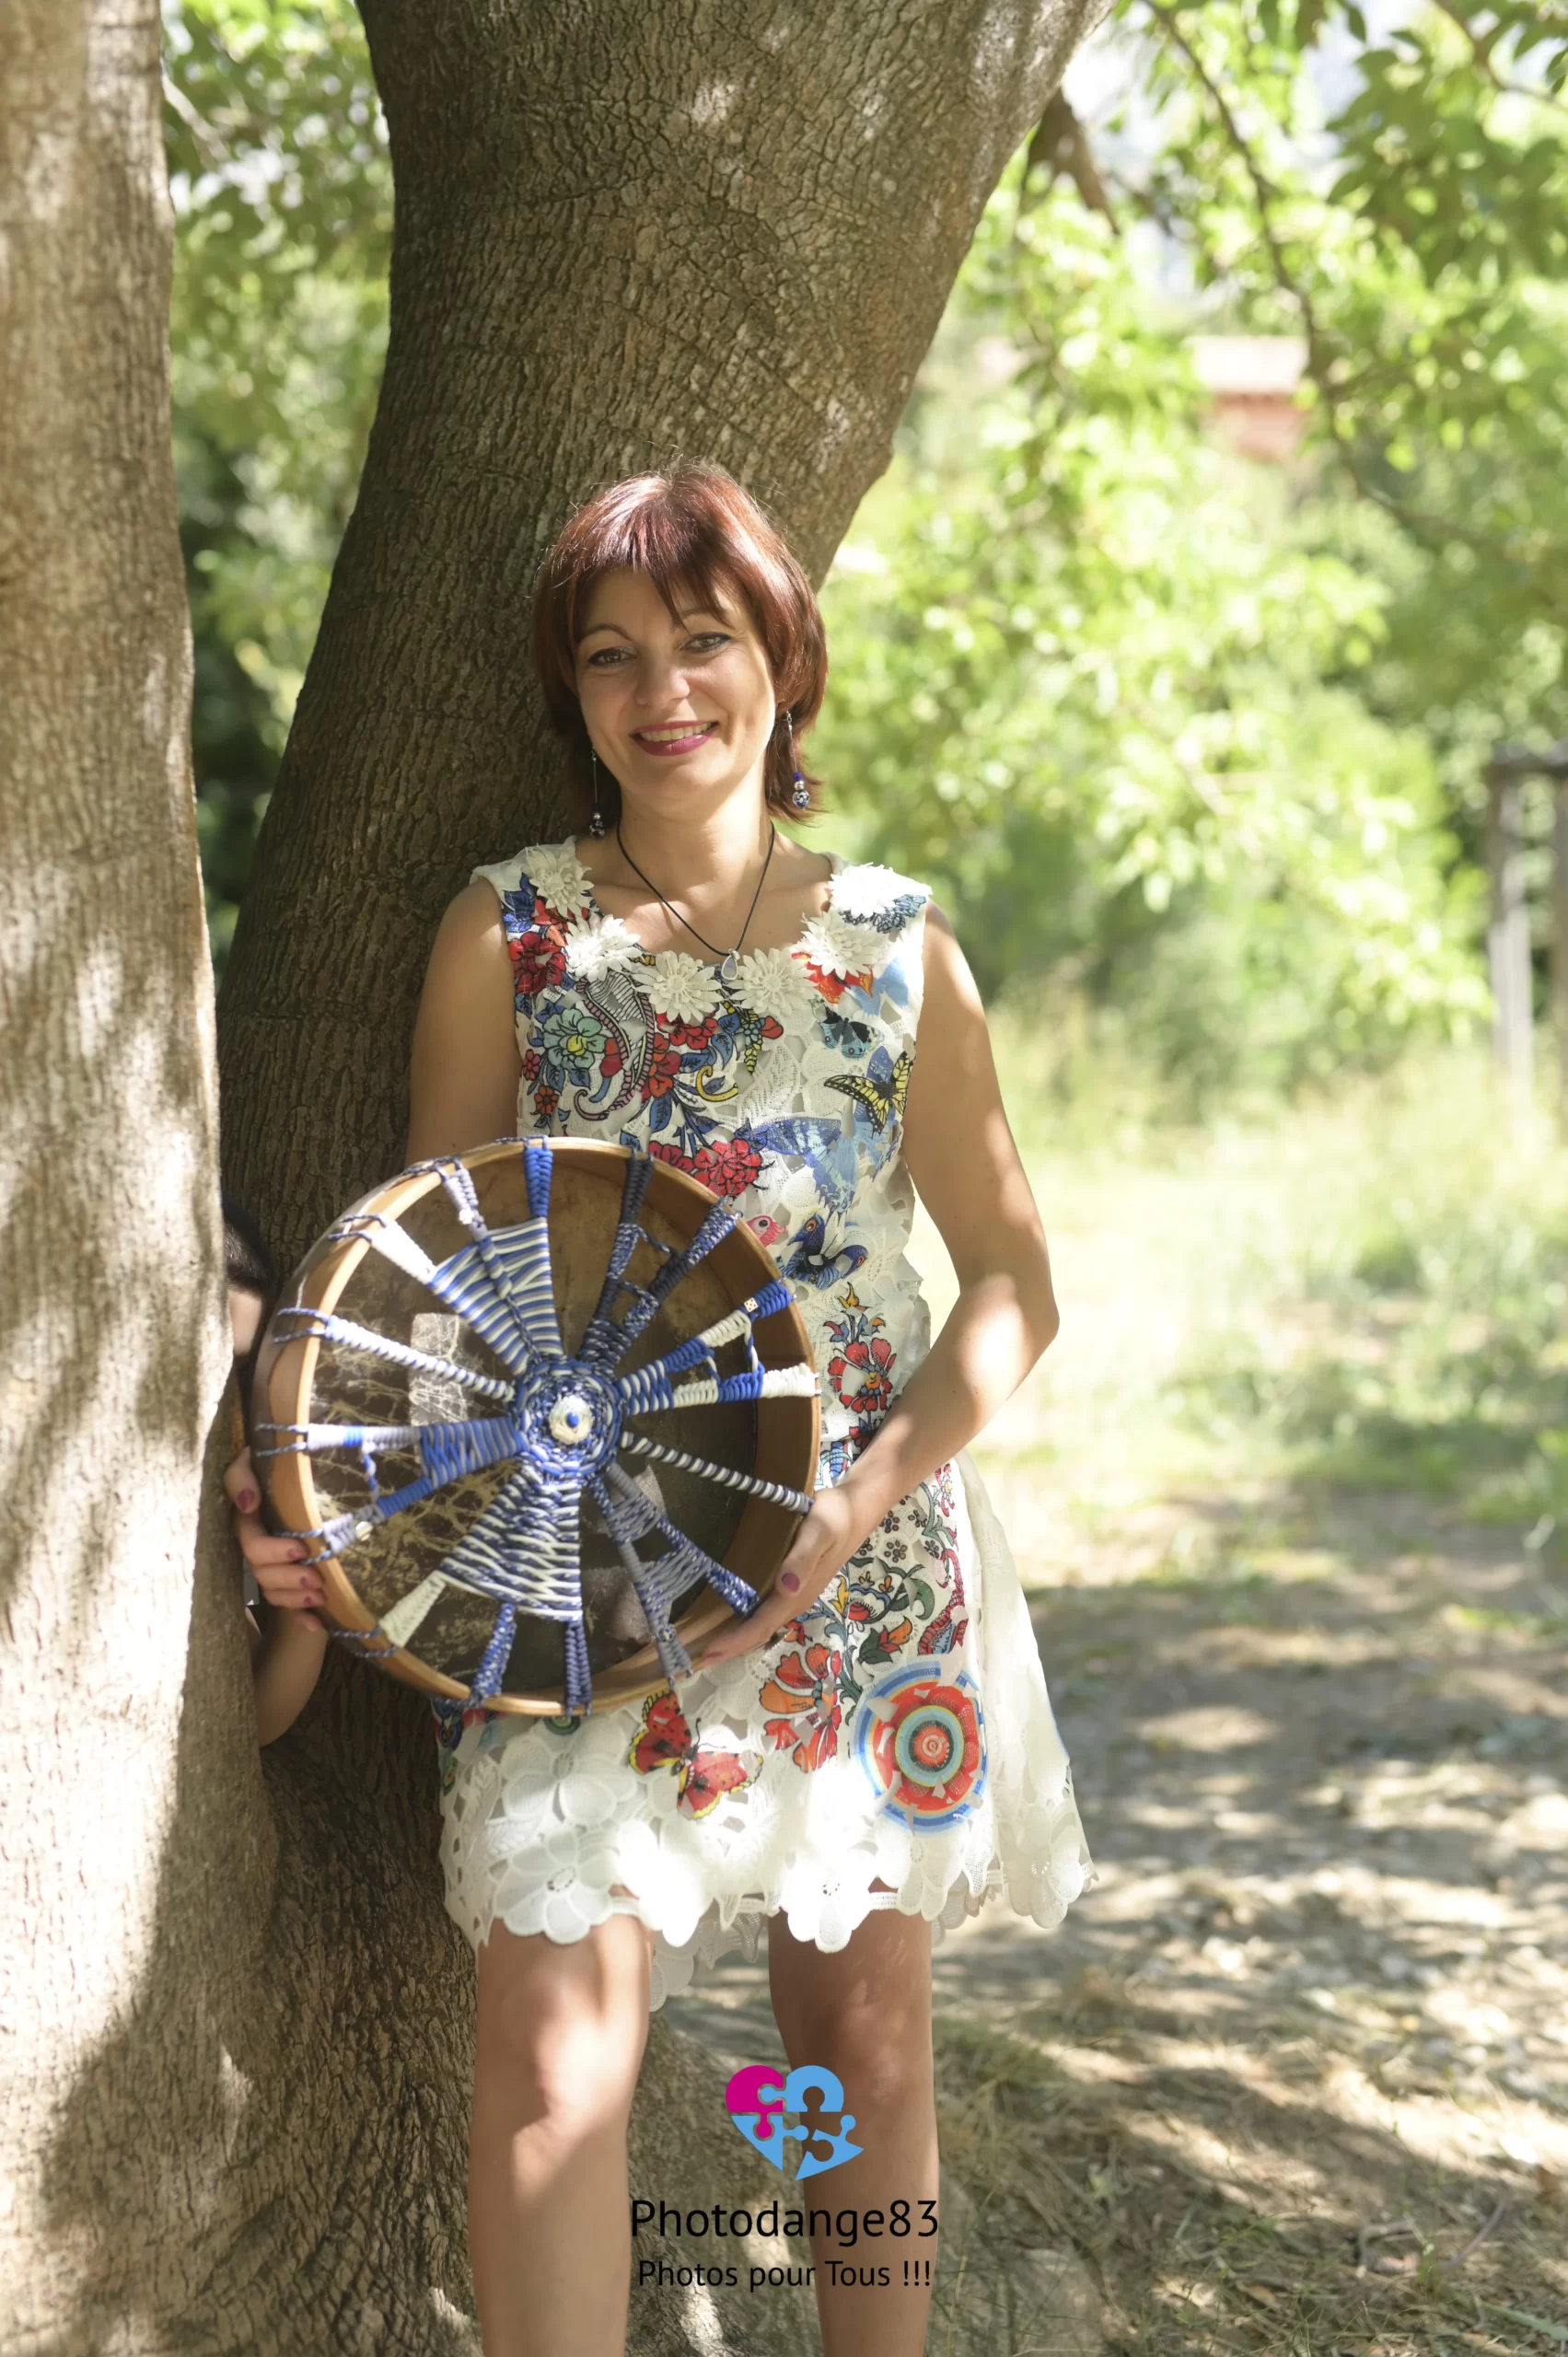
x: 546, y: 1408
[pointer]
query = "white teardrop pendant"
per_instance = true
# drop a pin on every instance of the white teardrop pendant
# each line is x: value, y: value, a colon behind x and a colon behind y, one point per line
x: 728, y: 968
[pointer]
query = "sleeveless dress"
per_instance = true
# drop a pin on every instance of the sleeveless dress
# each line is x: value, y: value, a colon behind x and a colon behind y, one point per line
x: 897, y: 1732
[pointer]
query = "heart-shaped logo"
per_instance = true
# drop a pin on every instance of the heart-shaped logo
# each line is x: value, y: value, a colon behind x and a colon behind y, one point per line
x: 806, y: 2108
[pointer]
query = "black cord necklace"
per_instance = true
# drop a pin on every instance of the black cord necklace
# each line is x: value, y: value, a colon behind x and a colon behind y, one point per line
x: 725, y: 958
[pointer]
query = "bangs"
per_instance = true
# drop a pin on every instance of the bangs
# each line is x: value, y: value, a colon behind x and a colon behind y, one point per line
x: 681, y: 554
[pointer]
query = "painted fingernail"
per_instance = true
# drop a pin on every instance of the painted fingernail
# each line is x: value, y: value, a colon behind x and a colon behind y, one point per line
x: 247, y: 1501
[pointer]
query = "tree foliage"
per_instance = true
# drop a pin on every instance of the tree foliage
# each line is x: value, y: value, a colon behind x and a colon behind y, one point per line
x: 282, y: 191
x: 1204, y: 738
x: 1092, y: 675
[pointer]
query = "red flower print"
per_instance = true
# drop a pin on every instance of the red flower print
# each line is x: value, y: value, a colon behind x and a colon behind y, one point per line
x: 833, y: 986
x: 664, y: 1071
x: 670, y: 1153
x: 804, y: 1691
x: 546, y: 1101
x: 611, y: 1061
x: 539, y: 958
x: 530, y: 1067
x: 867, y: 1367
x: 728, y: 1167
x: 688, y: 1035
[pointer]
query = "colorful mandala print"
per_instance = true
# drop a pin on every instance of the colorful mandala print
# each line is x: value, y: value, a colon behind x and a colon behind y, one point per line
x: 921, y: 1740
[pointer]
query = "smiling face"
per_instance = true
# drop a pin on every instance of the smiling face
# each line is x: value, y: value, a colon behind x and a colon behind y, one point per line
x: 673, y: 705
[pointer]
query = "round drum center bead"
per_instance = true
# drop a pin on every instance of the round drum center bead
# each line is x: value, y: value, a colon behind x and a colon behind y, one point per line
x: 572, y: 1420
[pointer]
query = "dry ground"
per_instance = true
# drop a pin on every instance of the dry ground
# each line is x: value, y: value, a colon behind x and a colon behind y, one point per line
x: 1294, y: 2077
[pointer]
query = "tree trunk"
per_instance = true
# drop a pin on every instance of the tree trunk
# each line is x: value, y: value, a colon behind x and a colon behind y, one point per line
x: 119, y: 1802
x: 237, y: 2078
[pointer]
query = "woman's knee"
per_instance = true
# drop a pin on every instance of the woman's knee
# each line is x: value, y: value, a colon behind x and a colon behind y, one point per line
x: 865, y: 2018
x: 882, y: 2069
x: 566, y: 2025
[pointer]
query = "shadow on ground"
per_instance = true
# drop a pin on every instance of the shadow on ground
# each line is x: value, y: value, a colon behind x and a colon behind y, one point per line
x: 1295, y: 2076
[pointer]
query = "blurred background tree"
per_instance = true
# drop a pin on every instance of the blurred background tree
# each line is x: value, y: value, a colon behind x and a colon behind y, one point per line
x: 282, y: 191
x: 1188, y: 741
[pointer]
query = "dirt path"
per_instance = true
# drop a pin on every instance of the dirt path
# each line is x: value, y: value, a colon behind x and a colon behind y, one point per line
x: 1309, y: 2038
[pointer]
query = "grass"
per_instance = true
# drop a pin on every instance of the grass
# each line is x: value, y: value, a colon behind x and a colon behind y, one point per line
x: 1182, y: 2262
x: 1369, y: 1293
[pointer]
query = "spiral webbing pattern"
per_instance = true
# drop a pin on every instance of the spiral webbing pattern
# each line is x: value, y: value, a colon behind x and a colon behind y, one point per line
x: 561, y: 1419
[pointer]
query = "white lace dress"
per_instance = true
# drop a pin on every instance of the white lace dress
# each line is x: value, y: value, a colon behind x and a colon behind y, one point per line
x: 899, y: 1731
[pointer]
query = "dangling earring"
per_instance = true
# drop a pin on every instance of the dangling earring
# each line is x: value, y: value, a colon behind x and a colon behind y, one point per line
x: 596, y: 824
x: 800, y: 792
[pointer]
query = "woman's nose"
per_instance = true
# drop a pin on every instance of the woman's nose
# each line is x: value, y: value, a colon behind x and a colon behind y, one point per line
x: 661, y: 679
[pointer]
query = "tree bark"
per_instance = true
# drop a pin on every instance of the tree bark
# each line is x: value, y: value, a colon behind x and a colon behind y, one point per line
x: 238, y: 2080
x: 112, y: 1332
x: 622, y: 236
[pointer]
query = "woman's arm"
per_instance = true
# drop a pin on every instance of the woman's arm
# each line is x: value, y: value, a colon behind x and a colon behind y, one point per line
x: 966, y: 1169
x: 463, y: 1068
x: 285, y: 1667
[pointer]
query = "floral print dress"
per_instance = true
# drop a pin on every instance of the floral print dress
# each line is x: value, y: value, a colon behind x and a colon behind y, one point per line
x: 897, y: 1732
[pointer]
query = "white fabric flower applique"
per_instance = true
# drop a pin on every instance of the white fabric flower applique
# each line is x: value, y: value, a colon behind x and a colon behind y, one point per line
x: 553, y: 1790
x: 561, y: 1884
x: 596, y: 946
x: 770, y: 983
x: 678, y: 988
x: 866, y: 891
x: 836, y: 945
x: 558, y: 876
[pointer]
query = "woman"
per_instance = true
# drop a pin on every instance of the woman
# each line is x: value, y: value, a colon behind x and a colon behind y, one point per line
x: 850, y: 1764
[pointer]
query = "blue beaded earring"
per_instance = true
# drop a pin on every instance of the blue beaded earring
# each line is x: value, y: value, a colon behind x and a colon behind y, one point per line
x: 596, y: 824
x: 800, y: 792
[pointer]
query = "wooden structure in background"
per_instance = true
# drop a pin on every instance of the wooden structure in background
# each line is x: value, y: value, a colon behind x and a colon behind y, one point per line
x: 1253, y: 384
x: 1508, y: 929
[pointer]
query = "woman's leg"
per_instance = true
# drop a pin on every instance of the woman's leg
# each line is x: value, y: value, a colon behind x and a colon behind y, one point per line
x: 560, y: 2042
x: 864, y: 2013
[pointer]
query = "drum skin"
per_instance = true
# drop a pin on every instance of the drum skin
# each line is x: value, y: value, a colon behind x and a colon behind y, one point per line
x: 306, y: 1381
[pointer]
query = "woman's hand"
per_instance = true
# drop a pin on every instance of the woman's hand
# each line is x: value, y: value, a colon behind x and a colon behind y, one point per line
x: 823, y: 1545
x: 283, y: 1574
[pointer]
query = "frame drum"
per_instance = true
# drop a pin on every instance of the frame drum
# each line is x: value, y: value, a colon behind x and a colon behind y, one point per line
x: 545, y: 1415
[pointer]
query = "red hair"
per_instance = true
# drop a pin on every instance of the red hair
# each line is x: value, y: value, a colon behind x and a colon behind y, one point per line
x: 691, y: 529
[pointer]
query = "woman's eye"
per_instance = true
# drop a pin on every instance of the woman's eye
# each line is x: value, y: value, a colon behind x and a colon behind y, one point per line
x: 706, y: 642
x: 603, y: 656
